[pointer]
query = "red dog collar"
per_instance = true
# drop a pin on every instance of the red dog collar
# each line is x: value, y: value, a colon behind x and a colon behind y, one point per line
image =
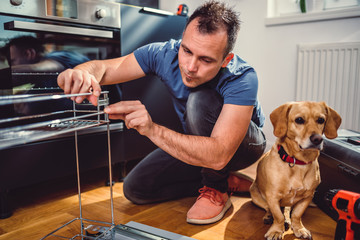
x: 286, y: 158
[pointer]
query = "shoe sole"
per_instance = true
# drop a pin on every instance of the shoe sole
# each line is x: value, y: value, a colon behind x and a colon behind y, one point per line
x: 214, y: 219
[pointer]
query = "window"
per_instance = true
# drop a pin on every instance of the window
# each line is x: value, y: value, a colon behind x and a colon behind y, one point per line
x: 289, y: 11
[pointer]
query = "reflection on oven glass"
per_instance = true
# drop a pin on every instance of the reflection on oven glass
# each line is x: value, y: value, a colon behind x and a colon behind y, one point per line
x: 27, y: 55
x: 62, y: 8
x: 35, y: 66
x: 31, y: 59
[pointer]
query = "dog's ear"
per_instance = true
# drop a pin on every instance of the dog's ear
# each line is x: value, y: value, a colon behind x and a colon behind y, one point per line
x: 279, y: 119
x: 333, y: 121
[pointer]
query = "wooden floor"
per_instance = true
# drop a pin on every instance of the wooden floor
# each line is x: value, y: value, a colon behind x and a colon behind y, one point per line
x: 44, y: 208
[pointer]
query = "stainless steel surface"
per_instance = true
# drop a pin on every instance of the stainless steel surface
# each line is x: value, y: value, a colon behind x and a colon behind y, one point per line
x: 44, y: 27
x: 43, y: 129
x: 343, y: 139
x: 106, y: 229
x: 26, y: 98
x: 157, y: 11
x: 86, y: 14
x: 35, y: 132
x: 16, y: 2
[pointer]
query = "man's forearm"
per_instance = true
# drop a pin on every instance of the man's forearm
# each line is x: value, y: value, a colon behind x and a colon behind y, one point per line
x: 195, y: 150
x: 96, y: 68
x: 211, y: 152
x: 116, y: 70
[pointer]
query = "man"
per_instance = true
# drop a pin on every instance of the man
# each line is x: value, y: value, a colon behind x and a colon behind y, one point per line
x: 215, y: 96
x: 27, y: 54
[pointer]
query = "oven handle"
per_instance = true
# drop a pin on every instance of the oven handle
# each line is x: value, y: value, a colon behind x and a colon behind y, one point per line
x: 43, y: 27
x: 156, y: 11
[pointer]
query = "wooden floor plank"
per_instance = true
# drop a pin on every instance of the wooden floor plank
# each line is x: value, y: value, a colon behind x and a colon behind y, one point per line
x: 45, y: 212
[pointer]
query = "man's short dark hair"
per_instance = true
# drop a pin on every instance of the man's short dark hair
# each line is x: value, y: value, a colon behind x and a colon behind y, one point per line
x: 25, y: 42
x: 214, y: 15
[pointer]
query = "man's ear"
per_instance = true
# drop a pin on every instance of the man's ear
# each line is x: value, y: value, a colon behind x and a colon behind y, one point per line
x: 30, y: 54
x: 227, y: 59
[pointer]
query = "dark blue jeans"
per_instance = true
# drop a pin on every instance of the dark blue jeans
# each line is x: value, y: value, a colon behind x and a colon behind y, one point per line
x: 161, y: 177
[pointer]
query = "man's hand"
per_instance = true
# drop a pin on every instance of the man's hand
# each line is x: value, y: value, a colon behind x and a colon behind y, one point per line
x: 133, y: 113
x: 74, y: 81
x: 86, y: 77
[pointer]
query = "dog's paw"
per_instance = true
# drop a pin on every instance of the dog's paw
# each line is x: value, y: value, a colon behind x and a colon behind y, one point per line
x: 302, y: 233
x: 275, y: 232
x: 274, y: 235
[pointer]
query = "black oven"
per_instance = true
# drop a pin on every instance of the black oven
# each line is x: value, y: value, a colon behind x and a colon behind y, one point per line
x: 38, y: 40
x: 41, y: 38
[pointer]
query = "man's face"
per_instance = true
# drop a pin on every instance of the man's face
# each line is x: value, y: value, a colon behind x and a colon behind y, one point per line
x: 201, y: 55
x: 18, y: 57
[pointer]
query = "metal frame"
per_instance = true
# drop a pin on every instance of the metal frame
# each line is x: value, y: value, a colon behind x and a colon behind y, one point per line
x: 44, y: 129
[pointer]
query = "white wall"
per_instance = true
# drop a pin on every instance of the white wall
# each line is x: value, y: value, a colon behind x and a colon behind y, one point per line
x: 272, y: 50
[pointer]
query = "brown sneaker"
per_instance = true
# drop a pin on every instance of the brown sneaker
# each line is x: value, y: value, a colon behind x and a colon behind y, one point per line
x: 239, y: 182
x: 209, y: 207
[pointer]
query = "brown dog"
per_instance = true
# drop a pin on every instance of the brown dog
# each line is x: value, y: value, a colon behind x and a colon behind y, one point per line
x: 288, y: 174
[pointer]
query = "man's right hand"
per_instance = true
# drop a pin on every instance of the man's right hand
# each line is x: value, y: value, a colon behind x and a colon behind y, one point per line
x: 74, y: 81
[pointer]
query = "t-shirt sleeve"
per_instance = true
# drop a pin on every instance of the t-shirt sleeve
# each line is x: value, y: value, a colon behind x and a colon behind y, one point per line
x: 243, y: 91
x: 67, y: 59
x: 147, y: 57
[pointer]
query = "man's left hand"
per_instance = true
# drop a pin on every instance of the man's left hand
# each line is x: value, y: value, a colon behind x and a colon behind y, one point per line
x: 133, y: 113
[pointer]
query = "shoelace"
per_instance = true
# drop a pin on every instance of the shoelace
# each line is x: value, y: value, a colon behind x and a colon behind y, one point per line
x: 212, y: 194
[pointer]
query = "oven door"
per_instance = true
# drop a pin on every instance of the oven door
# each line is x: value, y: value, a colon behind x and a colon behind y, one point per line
x: 49, y: 45
x: 34, y: 52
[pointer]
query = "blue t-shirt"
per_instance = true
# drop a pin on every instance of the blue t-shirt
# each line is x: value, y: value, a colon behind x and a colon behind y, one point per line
x: 237, y: 83
x: 68, y: 59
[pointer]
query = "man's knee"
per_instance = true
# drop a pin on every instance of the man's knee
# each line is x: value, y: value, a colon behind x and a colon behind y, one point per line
x: 202, y: 110
x: 131, y: 191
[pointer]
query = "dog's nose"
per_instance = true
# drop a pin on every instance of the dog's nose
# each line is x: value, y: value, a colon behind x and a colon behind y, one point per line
x: 316, y: 139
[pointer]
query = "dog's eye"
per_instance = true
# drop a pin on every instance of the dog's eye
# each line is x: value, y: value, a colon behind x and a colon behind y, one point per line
x: 299, y: 120
x: 320, y: 120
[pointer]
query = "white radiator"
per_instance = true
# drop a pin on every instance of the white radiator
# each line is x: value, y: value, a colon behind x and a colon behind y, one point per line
x: 330, y: 72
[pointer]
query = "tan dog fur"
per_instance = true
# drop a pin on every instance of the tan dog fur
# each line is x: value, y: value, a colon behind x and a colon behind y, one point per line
x: 279, y: 185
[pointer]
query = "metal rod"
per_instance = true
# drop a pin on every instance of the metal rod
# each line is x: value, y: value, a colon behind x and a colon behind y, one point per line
x: 44, y: 27
x: 78, y: 173
x: 59, y: 228
x: 33, y: 116
x: 46, y: 123
x: 110, y: 176
x: 62, y: 125
x: 23, y: 98
x: 24, y: 137
x: 98, y: 109
x: 109, y: 225
x: 106, y: 118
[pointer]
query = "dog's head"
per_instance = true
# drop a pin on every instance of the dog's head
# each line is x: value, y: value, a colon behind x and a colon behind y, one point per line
x: 305, y: 123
